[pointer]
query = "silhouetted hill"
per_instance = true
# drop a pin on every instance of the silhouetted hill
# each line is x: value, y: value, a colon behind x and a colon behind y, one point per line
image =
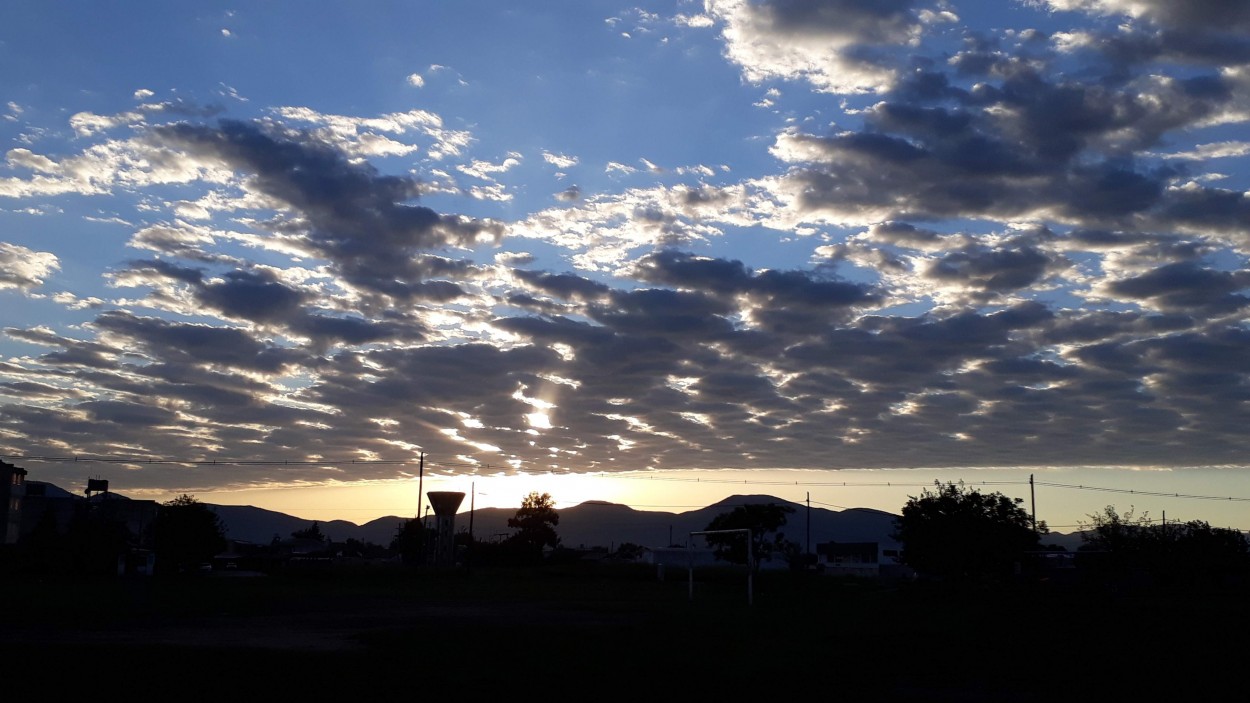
x: 590, y: 524
x: 253, y: 524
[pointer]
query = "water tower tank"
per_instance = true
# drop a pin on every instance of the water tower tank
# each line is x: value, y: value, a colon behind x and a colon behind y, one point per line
x: 445, y: 504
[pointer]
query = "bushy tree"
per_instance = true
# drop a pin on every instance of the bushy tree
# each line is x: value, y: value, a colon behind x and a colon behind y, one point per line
x: 764, y: 520
x: 186, y: 533
x: 535, y: 523
x: 960, y: 533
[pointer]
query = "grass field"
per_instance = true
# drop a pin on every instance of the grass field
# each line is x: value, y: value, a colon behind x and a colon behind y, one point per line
x: 569, y: 633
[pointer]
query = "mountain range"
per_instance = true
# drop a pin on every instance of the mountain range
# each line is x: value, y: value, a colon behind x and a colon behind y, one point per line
x: 590, y: 524
x: 598, y: 524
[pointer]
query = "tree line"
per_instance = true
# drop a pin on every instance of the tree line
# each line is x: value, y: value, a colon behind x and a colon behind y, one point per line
x: 960, y: 534
x: 950, y: 533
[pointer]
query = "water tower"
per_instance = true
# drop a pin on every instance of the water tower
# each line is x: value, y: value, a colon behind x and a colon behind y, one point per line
x: 445, y: 504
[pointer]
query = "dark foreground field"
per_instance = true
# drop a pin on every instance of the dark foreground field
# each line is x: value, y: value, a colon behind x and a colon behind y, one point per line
x: 610, y: 633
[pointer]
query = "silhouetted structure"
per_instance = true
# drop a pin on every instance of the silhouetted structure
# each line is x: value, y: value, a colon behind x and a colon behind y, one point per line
x: 12, y: 491
x: 48, y: 505
x: 445, y: 503
x: 849, y: 558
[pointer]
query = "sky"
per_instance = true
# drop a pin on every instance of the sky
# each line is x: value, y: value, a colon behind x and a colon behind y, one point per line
x: 276, y: 252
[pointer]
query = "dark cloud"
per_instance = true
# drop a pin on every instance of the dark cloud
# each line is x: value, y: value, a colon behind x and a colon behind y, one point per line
x: 129, y: 414
x: 659, y: 311
x: 258, y: 296
x: 29, y: 389
x: 903, y: 234
x: 192, y: 343
x: 252, y: 295
x: 72, y: 352
x: 774, y: 290
x: 868, y: 21
x: 1024, y: 146
x: 1186, y: 285
x: 360, y: 220
x: 1214, y: 15
x: 566, y: 285
x: 991, y: 271
x: 1207, y: 209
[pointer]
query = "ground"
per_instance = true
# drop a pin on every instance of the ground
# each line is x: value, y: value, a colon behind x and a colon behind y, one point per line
x: 500, y: 633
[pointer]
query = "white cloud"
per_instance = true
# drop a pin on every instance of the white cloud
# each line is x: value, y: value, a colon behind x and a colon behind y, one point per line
x: 25, y: 158
x: 493, y: 191
x: 24, y: 268
x: 484, y: 169
x: 1216, y: 150
x: 99, y: 168
x: 231, y: 92
x: 415, y: 80
x: 357, y: 135
x: 143, y: 94
x: 699, y: 20
x: 817, y: 42
x: 73, y: 302
x: 559, y: 160
x: 86, y: 124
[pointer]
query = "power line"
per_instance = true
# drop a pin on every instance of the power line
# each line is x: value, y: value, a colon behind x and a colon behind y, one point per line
x: 669, y: 479
x: 1132, y: 491
x: 823, y: 484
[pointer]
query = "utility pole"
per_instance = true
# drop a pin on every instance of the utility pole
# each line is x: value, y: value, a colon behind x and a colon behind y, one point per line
x: 420, y: 482
x: 468, y: 555
x: 809, y: 527
x: 1033, y: 500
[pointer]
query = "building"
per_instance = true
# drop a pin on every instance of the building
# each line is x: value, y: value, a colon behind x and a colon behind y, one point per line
x: 48, y: 504
x: 861, y: 559
x: 12, y: 494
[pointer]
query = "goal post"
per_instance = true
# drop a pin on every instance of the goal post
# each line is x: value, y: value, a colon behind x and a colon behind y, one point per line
x: 750, y: 559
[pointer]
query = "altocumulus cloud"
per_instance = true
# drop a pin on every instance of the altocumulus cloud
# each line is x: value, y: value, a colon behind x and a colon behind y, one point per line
x: 946, y: 247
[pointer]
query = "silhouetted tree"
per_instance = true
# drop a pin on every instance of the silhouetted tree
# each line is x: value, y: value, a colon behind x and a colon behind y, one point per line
x: 186, y: 533
x: 313, y: 531
x: 361, y: 549
x: 92, y: 543
x: 535, y: 523
x: 628, y: 551
x: 958, y: 532
x: 762, y: 519
x: 410, y: 542
x: 1191, y: 553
